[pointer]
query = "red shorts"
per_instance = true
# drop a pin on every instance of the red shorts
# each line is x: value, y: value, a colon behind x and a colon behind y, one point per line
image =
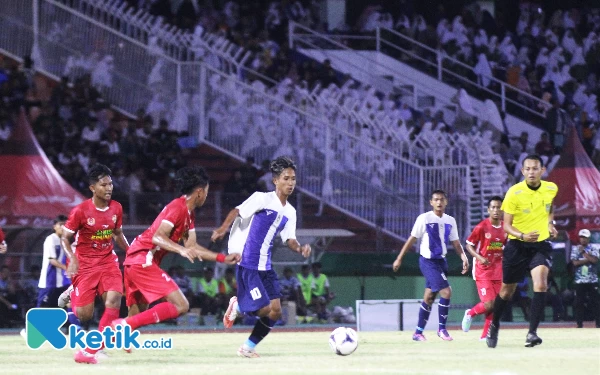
x: 488, y: 289
x: 144, y: 285
x: 95, y: 281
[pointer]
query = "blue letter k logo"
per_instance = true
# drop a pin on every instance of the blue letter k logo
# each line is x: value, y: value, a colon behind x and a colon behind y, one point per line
x: 44, y: 325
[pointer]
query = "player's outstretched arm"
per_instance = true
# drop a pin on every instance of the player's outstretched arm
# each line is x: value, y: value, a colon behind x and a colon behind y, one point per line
x: 162, y: 240
x: 407, y: 245
x: 220, y: 232
x: 203, y: 253
x: 463, y: 256
x: 120, y: 239
x: 293, y: 244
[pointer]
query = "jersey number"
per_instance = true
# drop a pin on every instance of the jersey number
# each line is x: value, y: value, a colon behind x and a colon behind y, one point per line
x: 483, y: 291
x: 255, y: 293
x: 167, y: 278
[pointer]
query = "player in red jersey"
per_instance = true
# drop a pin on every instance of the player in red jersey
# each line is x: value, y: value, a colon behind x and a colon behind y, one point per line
x: 3, y: 246
x: 94, y: 267
x: 145, y: 281
x: 485, y: 244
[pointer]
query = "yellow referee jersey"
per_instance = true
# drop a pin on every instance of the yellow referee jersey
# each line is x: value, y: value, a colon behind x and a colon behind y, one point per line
x: 530, y: 208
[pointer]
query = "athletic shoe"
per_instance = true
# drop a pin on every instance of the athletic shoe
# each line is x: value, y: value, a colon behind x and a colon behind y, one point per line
x: 247, y: 352
x: 532, y: 340
x: 444, y: 335
x: 482, y: 338
x: 65, y: 297
x: 81, y: 356
x: 231, y: 313
x: 122, y: 322
x: 101, y: 355
x: 492, y: 336
x: 419, y: 337
x: 466, y: 322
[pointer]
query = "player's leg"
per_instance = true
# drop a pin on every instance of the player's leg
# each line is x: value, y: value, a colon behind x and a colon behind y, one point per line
x: 443, y: 310
x: 82, y: 303
x: 428, y: 271
x: 136, y: 308
x: 153, y: 284
x: 539, y: 277
x: 492, y: 290
x: 264, y: 286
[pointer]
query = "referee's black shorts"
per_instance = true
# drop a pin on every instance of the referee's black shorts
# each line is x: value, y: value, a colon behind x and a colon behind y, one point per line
x: 520, y: 257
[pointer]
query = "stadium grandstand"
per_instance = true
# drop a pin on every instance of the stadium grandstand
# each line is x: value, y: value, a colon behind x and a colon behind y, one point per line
x: 378, y: 102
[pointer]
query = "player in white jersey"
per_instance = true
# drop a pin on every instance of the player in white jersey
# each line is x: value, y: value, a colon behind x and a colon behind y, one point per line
x: 435, y: 229
x: 256, y: 222
x: 53, y: 276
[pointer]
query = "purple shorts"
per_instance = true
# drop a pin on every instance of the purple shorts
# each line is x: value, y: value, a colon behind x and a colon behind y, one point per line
x: 435, y: 271
x: 256, y: 289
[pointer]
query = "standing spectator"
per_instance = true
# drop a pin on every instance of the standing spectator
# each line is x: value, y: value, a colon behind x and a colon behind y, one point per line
x: 544, y: 147
x: 585, y: 260
x: 556, y: 124
x: 307, y: 285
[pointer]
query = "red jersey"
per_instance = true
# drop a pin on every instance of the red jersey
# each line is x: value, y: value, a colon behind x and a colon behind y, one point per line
x: 93, y: 230
x: 176, y: 214
x: 2, y: 237
x: 489, y: 241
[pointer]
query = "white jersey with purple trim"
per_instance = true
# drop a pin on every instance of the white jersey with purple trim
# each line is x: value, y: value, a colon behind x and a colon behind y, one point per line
x: 260, y: 218
x: 435, y: 232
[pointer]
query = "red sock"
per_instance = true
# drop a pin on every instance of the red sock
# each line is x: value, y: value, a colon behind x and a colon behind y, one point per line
x: 486, y: 325
x: 159, y: 313
x: 477, y: 309
x: 110, y: 314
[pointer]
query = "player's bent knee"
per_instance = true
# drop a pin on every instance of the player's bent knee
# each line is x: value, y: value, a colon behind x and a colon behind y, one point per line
x: 183, y: 307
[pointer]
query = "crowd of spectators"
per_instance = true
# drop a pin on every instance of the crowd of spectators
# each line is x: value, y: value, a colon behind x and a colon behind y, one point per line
x: 554, y: 58
x: 76, y: 128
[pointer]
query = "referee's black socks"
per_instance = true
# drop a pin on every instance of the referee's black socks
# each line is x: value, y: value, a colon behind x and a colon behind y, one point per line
x: 537, y: 310
x: 499, y: 306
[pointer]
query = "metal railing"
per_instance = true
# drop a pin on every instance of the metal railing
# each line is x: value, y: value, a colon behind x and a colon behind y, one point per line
x: 426, y: 59
x: 356, y: 175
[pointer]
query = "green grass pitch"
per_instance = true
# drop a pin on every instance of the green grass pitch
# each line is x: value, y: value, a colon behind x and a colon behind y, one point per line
x: 564, y: 351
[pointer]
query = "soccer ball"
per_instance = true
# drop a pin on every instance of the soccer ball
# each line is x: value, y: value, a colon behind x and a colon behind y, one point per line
x: 343, y: 341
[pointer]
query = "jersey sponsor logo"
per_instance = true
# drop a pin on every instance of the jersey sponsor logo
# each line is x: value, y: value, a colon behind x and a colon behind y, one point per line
x: 91, y: 221
x: 101, y: 235
x: 104, y: 226
x: 431, y: 225
x: 488, y: 235
x: 269, y: 212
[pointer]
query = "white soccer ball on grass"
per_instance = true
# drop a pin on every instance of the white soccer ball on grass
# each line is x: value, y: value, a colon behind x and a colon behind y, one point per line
x: 343, y: 341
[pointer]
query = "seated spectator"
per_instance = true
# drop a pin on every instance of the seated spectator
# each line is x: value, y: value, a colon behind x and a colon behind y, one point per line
x: 207, y: 292
x: 307, y: 287
x: 291, y: 290
x: 544, y: 147
x: 227, y: 288
x: 321, y: 294
x: 184, y: 283
x: 29, y: 286
x: 10, y: 314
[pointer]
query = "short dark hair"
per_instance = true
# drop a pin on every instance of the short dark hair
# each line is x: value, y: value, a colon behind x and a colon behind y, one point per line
x: 97, y: 172
x: 305, y: 267
x: 533, y: 157
x: 439, y: 191
x: 189, y: 178
x: 494, y: 198
x: 60, y: 218
x: 317, y: 265
x: 283, y: 162
x: 288, y: 269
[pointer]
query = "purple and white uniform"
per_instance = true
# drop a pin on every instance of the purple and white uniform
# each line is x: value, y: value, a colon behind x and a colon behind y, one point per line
x: 435, y: 232
x: 261, y: 218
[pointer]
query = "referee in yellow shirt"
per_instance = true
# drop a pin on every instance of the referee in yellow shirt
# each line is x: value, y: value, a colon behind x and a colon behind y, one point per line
x: 528, y: 221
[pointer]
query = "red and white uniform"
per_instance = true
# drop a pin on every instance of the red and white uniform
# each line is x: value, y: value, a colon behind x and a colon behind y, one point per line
x: 98, y: 264
x: 145, y: 281
x: 489, y: 242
